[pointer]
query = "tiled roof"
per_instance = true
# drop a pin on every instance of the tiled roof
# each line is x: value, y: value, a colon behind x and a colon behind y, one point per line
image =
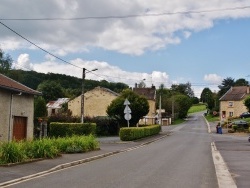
x: 58, y: 103
x: 149, y: 93
x: 235, y: 93
x: 12, y: 85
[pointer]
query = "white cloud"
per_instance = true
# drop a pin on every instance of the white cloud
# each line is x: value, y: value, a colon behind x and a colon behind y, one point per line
x: 104, y: 72
x: 132, y: 35
x: 23, y: 62
x: 213, y: 78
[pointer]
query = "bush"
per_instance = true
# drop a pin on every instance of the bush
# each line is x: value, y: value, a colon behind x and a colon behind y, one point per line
x: 15, y: 152
x: 70, y: 129
x: 134, y: 133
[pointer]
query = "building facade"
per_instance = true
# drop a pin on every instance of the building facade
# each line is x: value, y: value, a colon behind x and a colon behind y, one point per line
x: 17, y: 110
x: 232, y: 102
x: 96, y: 102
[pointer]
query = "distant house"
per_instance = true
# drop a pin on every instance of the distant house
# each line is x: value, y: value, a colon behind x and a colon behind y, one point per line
x: 96, y: 102
x: 150, y: 95
x: 53, y: 107
x: 232, y: 102
x: 17, y: 110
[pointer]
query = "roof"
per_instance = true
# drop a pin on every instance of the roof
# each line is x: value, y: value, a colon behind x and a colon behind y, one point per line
x: 58, y: 103
x: 235, y: 93
x: 149, y: 93
x: 12, y: 85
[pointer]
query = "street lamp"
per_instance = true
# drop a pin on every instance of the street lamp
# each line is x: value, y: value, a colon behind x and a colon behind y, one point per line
x: 82, y: 97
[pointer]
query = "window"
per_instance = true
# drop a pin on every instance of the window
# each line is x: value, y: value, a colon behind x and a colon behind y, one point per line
x: 231, y: 114
x: 230, y: 104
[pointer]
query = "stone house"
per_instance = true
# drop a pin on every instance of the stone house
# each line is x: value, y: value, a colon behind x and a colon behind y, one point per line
x: 232, y: 102
x: 53, y: 107
x: 150, y: 95
x: 17, y: 110
x: 96, y: 102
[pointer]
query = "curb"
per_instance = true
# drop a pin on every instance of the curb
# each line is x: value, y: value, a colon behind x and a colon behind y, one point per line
x: 78, y: 162
x: 208, y: 125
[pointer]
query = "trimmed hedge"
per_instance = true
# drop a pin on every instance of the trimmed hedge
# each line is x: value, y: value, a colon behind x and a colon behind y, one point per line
x: 134, y: 133
x: 69, y: 129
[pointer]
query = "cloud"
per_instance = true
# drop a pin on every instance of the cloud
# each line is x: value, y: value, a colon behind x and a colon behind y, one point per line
x: 131, y: 35
x: 105, y: 72
x: 213, y: 78
x: 23, y: 62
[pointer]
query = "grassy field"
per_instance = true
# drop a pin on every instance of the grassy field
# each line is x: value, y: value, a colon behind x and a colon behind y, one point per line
x: 197, y: 108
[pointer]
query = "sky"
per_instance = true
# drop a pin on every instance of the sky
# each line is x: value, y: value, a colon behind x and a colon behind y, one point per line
x: 164, y: 42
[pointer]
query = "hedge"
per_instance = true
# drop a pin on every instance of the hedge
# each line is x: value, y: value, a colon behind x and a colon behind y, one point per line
x: 134, y: 133
x: 69, y: 129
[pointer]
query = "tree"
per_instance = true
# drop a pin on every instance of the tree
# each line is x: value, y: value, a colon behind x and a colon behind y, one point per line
x: 225, y: 86
x: 138, y: 105
x: 208, y: 97
x: 5, y: 62
x: 40, y: 109
x: 182, y: 103
x: 241, y: 82
x: 184, y: 89
x: 247, y: 103
x: 51, y: 90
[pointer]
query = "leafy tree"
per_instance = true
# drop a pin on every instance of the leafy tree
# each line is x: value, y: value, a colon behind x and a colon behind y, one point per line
x: 138, y: 105
x: 184, y: 89
x: 208, y: 97
x: 247, y: 103
x: 40, y: 109
x: 225, y: 86
x: 51, y: 90
x: 241, y: 82
x: 195, y: 100
x: 5, y: 62
x: 182, y: 104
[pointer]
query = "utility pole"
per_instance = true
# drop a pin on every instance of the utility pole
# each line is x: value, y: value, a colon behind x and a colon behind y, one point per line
x: 82, y: 97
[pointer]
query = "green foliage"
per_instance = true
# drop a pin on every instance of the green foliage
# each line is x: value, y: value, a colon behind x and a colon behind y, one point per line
x: 134, y: 133
x: 195, y: 100
x: 138, y: 105
x: 70, y: 129
x: 51, y: 90
x: 247, y: 103
x: 182, y: 104
x: 12, y: 152
x: 15, y: 152
x: 197, y: 108
x: 5, y: 63
x: 40, y: 109
x: 208, y: 97
x: 184, y: 89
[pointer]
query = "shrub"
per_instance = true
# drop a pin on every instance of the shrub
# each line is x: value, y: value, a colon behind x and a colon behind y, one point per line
x: 235, y: 128
x: 12, y: 152
x: 70, y: 129
x: 133, y: 133
x: 15, y: 152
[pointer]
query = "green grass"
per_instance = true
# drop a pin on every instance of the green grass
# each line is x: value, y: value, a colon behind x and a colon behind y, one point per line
x: 197, y: 108
x: 178, y: 121
x: 211, y: 118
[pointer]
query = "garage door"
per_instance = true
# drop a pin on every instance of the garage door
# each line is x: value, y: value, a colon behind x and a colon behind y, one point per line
x: 19, y: 128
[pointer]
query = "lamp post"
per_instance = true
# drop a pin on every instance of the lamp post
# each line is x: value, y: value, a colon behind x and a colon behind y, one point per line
x: 82, y: 96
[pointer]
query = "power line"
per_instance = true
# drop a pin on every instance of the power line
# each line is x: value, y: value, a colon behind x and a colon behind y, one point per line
x: 129, y: 15
x: 38, y: 46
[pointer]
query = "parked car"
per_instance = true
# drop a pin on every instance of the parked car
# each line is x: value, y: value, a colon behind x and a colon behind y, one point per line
x: 241, y: 124
x: 245, y: 115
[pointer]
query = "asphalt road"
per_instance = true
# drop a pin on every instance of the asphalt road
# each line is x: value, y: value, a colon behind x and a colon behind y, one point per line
x: 182, y: 159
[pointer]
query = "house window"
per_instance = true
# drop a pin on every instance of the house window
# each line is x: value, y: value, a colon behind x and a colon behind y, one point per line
x: 230, y: 104
x: 231, y: 114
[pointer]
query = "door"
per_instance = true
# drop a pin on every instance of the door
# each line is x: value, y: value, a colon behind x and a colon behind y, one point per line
x: 19, y: 128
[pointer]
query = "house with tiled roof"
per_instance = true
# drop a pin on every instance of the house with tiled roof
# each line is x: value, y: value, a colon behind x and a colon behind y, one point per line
x: 150, y: 95
x: 53, y: 107
x: 96, y: 102
x: 232, y: 102
x: 17, y: 110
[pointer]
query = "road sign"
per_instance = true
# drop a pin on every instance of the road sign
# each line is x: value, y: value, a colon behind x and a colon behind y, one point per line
x: 127, y: 111
x: 127, y: 117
